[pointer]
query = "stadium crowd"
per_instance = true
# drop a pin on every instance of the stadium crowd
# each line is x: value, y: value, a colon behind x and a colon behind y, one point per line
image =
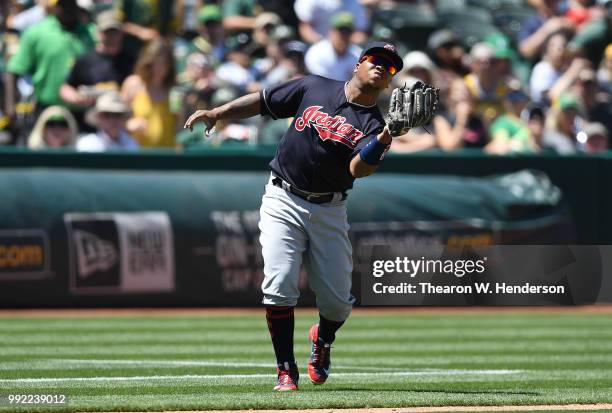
x: 530, y: 76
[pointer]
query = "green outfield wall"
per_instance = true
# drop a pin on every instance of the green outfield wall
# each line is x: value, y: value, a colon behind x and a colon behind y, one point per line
x: 168, y: 229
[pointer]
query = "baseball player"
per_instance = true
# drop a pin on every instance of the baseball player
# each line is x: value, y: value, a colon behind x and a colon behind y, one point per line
x: 337, y: 134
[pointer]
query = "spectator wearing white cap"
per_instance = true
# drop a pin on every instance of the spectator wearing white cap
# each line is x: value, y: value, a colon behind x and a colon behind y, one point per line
x: 110, y: 116
x: 417, y: 66
x: 593, y: 138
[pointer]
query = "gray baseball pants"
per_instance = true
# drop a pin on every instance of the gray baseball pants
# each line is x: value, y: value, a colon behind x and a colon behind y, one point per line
x: 293, y: 231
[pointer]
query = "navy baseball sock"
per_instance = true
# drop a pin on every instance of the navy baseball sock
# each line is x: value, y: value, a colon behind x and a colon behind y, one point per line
x: 281, y: 324
x: 328, y: 328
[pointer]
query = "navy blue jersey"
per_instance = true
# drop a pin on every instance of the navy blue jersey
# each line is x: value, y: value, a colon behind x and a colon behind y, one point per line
x: 325, y: 134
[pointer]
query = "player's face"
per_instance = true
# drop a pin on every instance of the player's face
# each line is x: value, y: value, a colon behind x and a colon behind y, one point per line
x: 376, y: 70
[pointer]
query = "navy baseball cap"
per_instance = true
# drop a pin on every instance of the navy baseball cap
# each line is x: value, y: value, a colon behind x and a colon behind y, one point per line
x: 386, y: 49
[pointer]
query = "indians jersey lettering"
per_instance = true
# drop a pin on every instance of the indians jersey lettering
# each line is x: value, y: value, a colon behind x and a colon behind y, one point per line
x: 326, y: 133
x: 329, y: 127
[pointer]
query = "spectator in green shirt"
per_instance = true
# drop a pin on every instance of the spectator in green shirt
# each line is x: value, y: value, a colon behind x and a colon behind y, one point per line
x: 211, y: 37
x: 47, y: 52
x: 510, y: 133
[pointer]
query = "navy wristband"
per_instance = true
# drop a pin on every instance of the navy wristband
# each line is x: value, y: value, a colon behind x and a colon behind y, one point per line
x: 373, y: 152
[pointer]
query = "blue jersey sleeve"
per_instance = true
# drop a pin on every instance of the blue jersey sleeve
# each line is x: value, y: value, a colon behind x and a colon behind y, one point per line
x: 283, y: 101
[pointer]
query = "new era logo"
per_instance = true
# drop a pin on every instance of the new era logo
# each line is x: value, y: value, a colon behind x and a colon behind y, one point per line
x: 120, y: 252
x: 93, y: 253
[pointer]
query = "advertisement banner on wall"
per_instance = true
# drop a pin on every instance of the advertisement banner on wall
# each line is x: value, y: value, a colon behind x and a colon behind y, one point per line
x: 120, y: 252
x: 203, y: 249
x: 24, y: 255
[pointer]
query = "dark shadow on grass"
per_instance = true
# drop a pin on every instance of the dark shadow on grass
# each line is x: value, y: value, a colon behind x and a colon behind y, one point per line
x: 499, y: 392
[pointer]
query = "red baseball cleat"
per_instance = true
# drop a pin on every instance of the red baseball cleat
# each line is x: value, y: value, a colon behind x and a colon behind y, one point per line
x: 287, y: 379
x: 319, y: 363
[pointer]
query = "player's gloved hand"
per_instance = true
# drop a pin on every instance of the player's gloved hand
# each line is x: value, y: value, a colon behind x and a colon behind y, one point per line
x: 411, y: 107
x: 206, y: 116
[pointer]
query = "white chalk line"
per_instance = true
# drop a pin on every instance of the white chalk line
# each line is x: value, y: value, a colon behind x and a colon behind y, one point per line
x: 245, y: 376
x: 373, y: 371
x: 53, y: 363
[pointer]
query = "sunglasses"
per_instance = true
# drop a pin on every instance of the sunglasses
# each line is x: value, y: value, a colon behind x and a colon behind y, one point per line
x: 345, y: 30
x: 380, y: 61
x: 56, y: 124
x: 112, y: 115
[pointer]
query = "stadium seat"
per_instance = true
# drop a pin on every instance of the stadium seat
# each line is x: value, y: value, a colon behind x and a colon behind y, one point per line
x: 403, y: 15
x: 452, y: 17
x: 471, y: 32
x: 450, y: 4
x: 411, y: 24
x: 496, y: 4
x: 510, y: 19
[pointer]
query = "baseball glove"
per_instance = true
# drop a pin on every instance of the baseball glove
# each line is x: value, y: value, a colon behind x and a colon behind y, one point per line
x: 411, y: 107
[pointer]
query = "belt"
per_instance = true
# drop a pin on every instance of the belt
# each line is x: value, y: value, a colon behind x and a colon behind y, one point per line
x: 315, y: 198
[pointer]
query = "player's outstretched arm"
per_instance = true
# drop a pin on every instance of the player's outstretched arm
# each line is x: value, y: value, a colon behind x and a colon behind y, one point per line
x: 366, y: 162
x: 241, y: 108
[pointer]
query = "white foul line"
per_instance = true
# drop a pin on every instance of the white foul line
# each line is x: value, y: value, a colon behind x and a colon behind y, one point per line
x: 370, y: 371
x: 235, y: 363
x: 247, y: 376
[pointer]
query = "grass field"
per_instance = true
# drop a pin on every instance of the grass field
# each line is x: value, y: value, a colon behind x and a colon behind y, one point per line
x: 208, y: 361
